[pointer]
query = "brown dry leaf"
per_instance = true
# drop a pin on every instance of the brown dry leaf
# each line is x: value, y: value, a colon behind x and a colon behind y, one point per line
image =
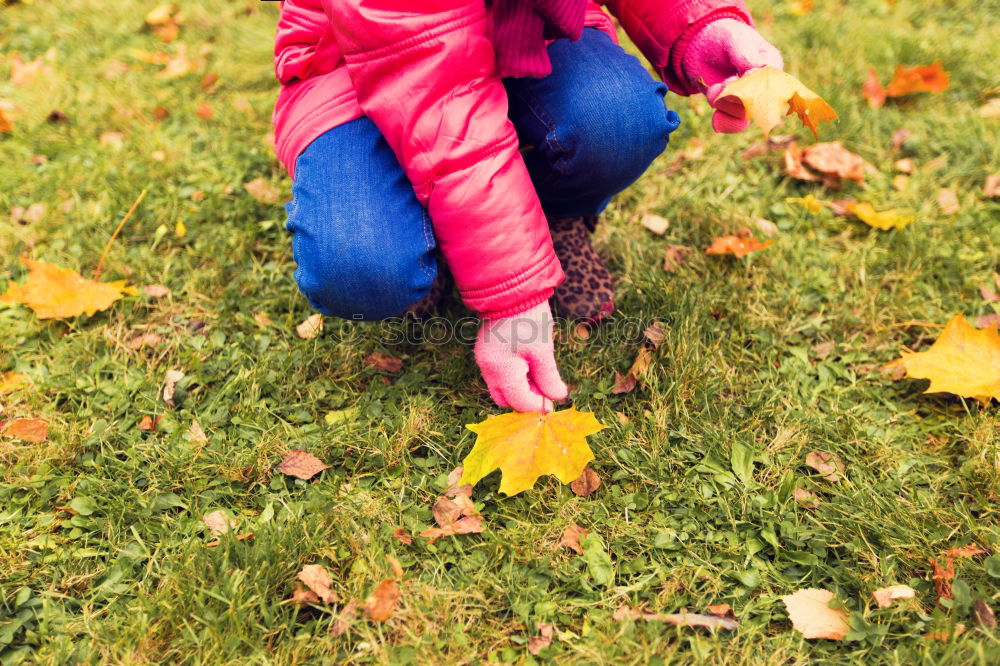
x: 737, y: 245
x: 812, y: 616
x: 177, y: 65
x: 145, y: 340
x: 794, y: 165
x: 397, y: 568
x: 205, y: 111
x: 945, y: 636
x: 11, y: 382
x: 905, y: 165
x: 544, y: 639
x: 988, y: 294
x: 835, y: 163
x: 310, y: 327
x: 947, y: 201
x: 455, y: 487
x: 58, y: 293
x: 208, y: 81
x: 262, y: 191
x: 22, y: 73
x: 587, y: 484
x: 384, y: 362
x: 466, y: 525
x: 675, y: 256
x: 571, y: 538
x: 872, y: 90
x: 963, y: 361
x: 447, y: 511
x: 991, y: 188
x: 196, y: 434
x: 170, y: 385
x: 30, y: 215
x: 344, y: 619
x: 886, y: 595
x: 383, y: 600
x: 965, y: 551
x: 722, y: 610
x: 302, y: 596
x: 984, y: 321
x: 983, y: 615
x: 35, y: 431
x: 899, y: 137
x: 317, y: 579
x: 769, y: 94
x: 655, y: 223
x: 402, y: 535
x: 156, y: 291
x: 262, y: 319
x: 623, y: 383
x: 148, y: 423
x: 805, y: 499
x: 218, y: 522
x: 926, y: 79
x: 641, y: 364
x: 654, y: 333
x: 826, y: 464
x: 942, y: 577
x: 301, y: 465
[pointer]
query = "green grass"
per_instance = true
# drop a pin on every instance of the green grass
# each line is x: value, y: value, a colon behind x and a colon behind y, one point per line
x: 684, y: 527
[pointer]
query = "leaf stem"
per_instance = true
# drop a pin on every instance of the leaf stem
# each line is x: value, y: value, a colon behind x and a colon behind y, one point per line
x: 107, y: 248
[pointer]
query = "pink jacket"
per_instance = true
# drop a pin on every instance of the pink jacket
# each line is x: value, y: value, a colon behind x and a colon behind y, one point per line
x: 424, y: 72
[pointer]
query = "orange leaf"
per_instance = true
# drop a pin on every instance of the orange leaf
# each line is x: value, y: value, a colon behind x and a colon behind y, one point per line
x: 769, y: 94
x: 928, y: 79
x: 30, y: 430
x: 812, y: 616
x: 11, y: 382
x: 738, y: 246
x: 302, y: 465
x: 571, y: 538
x: 526, y: 446
x: 964, y: 361
x: 587, y: 483
x: 317, y: 579
x: 383, y: 600
x: 464, y: 525
x: 873, y: 91
x: 56, y: 293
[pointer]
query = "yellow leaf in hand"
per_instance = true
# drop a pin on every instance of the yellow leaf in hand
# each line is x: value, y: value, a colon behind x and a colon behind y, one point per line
x: 769, y: 94
x: 964, y: 361
x: 55, y: 293
x: 526, y: 446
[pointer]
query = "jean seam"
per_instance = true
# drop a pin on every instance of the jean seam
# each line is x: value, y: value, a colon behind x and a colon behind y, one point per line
x: 428, y: 241
x: 538, y: 110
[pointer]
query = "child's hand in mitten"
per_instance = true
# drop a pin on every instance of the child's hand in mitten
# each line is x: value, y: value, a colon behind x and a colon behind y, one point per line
x: 722, y: 52
x: 517, y: 359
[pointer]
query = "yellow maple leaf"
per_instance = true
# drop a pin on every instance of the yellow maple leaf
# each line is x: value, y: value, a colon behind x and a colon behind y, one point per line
x: 11, y: 382
x: 769, y: 94
x: 964, y: 361
x: 526, y: 446
x: 884, y: 220
x: 55, y: 293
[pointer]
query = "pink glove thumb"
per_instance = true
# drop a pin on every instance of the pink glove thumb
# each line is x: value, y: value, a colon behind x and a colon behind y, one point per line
x: 517, y: 359
x: 719, y: 53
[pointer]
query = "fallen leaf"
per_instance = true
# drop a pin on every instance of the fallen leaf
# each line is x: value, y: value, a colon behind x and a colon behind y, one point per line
x: 900, y: 182
x: 991, y: 109
x: 317, y: 579
x: 805, y: 499
x: 205, y: 111
x: 526, y: 446
x: 208, y: 81
x: 111, y: 138
x: 177, y: 65
x: 873, y: 91
x: 826, y: 464
x: 218, y: 522
x: 447, y: 511
x: 906, y: 165
x: 945, y: 636
x: 58, y: 293
x: 722, y: 610
x: 302, y: 465
x: 571, y: 538
x: 800, y: 7
x: 926, y: 79
x: 795, y: 167
x: 384, y: 362
x: 466, y: 525
x: 397, y: 568
x: 544, y: 639
x: 35, y: 431
x: 383, y: 600
x: 809, y: 202
x: 11, y: 382
x: 675, y: 256
x: 812, y: 616
x: 992, y: 186
x: 830, y: 162
x: 884, y: 220
x: 654, y: 333
x: 196, y: 434
x: 148, y: 423
x: 947, y: 201
x: 455, y: 487
x: 886, y: 595
x: 738, y: 246
x: 6, y: 117
x: 641, y: 363
x: 402, y: 535
x: 963, y: 361
x: 983, y: 615
x: 841, y: 207
x: 310, y: 327
x: 623, y: 383
x: 170, y: 385
x: 965, y: 551
x: 676, y: 619
x: 156, y: 291
x: 824, y: 349
x: 658, y: 225
x: 988, y: 294
x: 766, y: 227
x: 302, y: 596
x: 262, y: 191
x: 262, y: 319
x: 942, y: 577
x: 769, y: 94
x: 587, y: 483
x: 22, y: 73
x: 344, y: 619
x: 899, y: 137
x: 986, y: 321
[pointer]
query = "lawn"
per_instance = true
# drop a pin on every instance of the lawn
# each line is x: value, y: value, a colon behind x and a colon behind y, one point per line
x: 103, y: 553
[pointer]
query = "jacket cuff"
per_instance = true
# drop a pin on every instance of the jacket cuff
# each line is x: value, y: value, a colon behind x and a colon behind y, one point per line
x: 673, y: 74
x: 517, y: 294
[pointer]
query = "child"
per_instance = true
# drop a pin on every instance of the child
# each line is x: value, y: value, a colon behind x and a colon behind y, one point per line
x: 400, y: 122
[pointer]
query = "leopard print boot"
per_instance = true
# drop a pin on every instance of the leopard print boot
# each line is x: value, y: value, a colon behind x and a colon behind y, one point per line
x: 587, y: 295
x: 433, y: 302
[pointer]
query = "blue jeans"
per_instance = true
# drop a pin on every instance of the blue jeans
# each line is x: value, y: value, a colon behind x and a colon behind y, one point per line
x: 363, y: 244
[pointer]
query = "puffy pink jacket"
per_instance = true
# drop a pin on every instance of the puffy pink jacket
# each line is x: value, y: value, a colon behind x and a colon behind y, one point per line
x: 425, y: 73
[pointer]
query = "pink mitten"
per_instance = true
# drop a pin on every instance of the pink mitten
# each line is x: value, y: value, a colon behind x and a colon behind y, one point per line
x: 517, y: 359
x: 721, y: 52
